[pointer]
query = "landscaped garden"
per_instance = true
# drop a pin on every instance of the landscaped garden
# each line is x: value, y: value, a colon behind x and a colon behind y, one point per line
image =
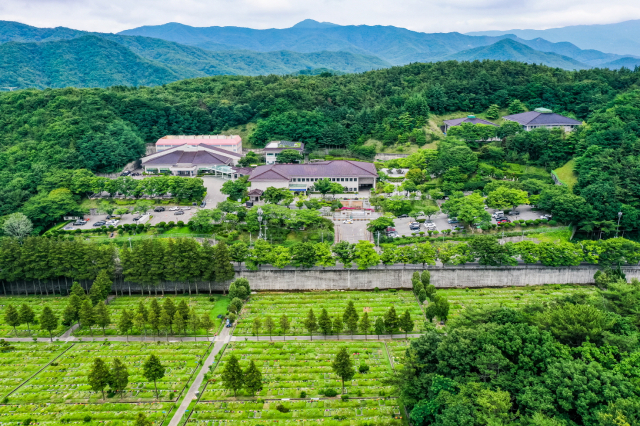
x: 296, y: 307
x: 36, y: 303
x: 65, y: 380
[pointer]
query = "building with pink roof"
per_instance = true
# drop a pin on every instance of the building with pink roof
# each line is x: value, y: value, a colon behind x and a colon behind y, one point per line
x: 232, y: 143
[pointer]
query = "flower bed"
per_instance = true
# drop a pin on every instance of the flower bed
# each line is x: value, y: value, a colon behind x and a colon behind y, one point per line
x: 24, y: 361
x: 37, y: 303
x: 289, y: 368
x: 297, y: 305
x: 66, y: 381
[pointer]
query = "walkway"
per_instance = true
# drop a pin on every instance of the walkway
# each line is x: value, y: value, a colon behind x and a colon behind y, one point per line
x: 320, y: 337
x: 221, y: 340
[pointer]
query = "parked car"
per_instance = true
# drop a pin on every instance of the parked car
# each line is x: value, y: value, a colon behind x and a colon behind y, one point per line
x: 203, y: 204
x: 158, y: 209
x: 137, y: 218
x: 414, y: 226
x: 453, y: 220
x: 348, y: 221
x: 80, y: 222
x: 430, y: 226
x: 185, y: 208
x: 497, y: 214
x: 172, y: 209
x: 99, y: 223
x: 402, y: 216
x: 113, y: 223
x: 392, y: 234
x: 504, y: 220
x: 546, y: 216
x: 514, y: 213
x: 179, y: 212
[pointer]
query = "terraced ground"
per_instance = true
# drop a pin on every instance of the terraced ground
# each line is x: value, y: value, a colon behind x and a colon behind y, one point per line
x: 37, y: 303
x: 296, y: 307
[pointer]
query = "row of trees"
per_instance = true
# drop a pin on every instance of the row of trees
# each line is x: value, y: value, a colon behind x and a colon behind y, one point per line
x: 116, y: 376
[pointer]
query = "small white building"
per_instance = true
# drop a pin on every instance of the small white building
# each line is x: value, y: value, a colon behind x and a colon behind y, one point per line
x: 543, y: 117
x: 232, y: 143
x: 353, y: 175
x: 274, y: 148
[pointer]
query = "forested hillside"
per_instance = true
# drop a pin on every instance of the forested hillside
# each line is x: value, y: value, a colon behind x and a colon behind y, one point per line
x: 103, y: 129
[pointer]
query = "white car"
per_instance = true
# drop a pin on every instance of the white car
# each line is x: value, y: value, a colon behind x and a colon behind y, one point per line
x: 185, y: 208
x: 348, y: 221
x: 172, y: 209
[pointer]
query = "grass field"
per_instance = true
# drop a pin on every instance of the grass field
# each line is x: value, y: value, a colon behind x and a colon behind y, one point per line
x: 37, y: 303
x: 567, y: 175
x: 201, y: 303
x: 65, y: 380
x: 296, y: 306
x: 510, y: 296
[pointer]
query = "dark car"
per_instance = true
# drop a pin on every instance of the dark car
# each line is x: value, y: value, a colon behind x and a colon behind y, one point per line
x: 453, y: 220
x: 402, y: 216
x: 203, y: 204
x: 137, y: 218
x: 178, y: 212
x: 158, y: 209
x: 99, y: 223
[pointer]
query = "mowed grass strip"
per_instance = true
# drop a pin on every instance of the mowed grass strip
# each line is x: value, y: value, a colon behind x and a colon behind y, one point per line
x: 23, y: 361
x: 289, y: 368
x: 65, y: 380
x: 296, y: 307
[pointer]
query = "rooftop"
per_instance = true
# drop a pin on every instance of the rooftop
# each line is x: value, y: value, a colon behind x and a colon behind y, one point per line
x: 472, y: 119
x: 190, y: 154
x: 285, y: 145
x: 199, y: 139
x: 540, y: 117
x: 323, y: 169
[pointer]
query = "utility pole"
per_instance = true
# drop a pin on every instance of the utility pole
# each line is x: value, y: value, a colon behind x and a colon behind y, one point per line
x: 618, y: 227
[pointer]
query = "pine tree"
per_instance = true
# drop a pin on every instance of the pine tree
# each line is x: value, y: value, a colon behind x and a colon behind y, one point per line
x: 154, y: 307
x: 442, y: 308
x: 425, y: 278
x: 255, y: 327
x: 102, y: 316
x: 153, y: 370
x: 165, y: 322
x: 141, y: 420
x: 178, y: 322
x: 431, y: 311
x: 142, y: 310
x: 252, y: 378
x: 126, y: 322
x: 431, y: 291
x: 154, y: 322
x: 415, y: 279
x: 391, y: 320
x: 140, y: 323
x: 232, y: 375
x: 418, y: 288
x: 338, y: 325
x: 233, y: 291
x: 183, y: 309
x: 87, y: 316
x: 285, y: 325
x: 365, y: 325
x: 99, y: 376
x: 406, y: 323
x: 77, y: 290
x: 378, y: 326
x: 95, y: 293
x: 194, y: 322
x: 310, y: 323
x: 350, y: 311
x: 170, y: 308
x: 269, y: 325
x: 222, y: 261
x: 238, y: 252
x: 324, y: 322
x: 27, y: 316
x: 48, y: 321
x: 206, y: 323
x: 343, y: 366
x: 105, y: 282
x: 422, y: 296
x: 352, y: 324
x: 493, y: 113
x: 119, y: 376
x: 72, y: 311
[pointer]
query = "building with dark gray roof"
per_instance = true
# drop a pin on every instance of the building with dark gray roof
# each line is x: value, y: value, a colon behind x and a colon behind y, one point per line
x: 542, y: 117
x: 189, y: 160
x: 471, y: 119
x: 299, y: 177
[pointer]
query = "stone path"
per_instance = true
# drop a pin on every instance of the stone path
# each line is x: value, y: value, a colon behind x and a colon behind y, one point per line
x: 221, y: 340
x: 320, y: 338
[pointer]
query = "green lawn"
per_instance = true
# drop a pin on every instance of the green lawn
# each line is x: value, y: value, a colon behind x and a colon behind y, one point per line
x: 220, y: 308
x: 567, y: 175
x: 558, y: 236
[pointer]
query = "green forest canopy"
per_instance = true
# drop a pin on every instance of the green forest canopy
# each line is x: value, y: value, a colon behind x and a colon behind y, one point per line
x: 101, y: 130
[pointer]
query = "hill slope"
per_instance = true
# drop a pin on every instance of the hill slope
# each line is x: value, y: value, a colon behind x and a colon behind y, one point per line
x: 86, y: 61
x: 510, y: 50
x: 622, y: 38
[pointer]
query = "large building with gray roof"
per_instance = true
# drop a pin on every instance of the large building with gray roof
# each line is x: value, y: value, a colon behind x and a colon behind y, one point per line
x: 189, y: 160
x: 353, y: 175
x: 543, y: 118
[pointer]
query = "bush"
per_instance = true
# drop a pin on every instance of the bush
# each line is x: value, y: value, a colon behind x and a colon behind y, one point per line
x: 27, y: 421
x: 171, y: 224
x: 282, y: 409
x: 180, y: 223
x: 329, y: 393
x: 87, y: 419
x: 363, y: 368
x: 303, y: 394
x: 553, y: 222
x: 344, y: 397
x: 376, y: 290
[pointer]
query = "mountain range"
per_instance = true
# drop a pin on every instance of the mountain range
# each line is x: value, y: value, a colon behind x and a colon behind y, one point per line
x: 152, y: 55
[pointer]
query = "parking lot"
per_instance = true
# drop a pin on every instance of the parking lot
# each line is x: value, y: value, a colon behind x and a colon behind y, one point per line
x: 156, y: 217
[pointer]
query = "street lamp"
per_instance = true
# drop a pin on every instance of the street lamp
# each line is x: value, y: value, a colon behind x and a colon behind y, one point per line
x: 260, y: 222
x: 618, y: 227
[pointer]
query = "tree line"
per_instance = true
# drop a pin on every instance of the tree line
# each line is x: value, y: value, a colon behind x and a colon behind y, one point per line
x: 116, y: 376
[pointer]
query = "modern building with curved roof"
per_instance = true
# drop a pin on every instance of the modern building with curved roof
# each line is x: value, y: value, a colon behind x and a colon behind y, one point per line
x: 542, y: 117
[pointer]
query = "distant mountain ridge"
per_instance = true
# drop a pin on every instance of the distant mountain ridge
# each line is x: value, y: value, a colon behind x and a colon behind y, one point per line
x: 622, y: 38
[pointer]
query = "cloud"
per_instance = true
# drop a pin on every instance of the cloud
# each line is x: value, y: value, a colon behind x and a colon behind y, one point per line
x: 427, y: 16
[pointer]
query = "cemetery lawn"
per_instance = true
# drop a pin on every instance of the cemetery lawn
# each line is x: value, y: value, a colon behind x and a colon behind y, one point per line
x: 37, y: 303
x: 460, y: 298
x: 202, y: 304
x: 65, y: 380
x: 289, y: 368
x: 296, y: 306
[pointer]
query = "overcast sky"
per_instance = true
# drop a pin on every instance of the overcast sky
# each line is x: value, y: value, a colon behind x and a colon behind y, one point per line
x: 424, y: 15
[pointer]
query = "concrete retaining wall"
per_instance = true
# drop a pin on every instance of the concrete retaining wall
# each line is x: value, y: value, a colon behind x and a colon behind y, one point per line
x: 338, y: 278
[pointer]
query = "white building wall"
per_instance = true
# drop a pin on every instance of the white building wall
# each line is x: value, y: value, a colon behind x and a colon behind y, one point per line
x: 264, y: 184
